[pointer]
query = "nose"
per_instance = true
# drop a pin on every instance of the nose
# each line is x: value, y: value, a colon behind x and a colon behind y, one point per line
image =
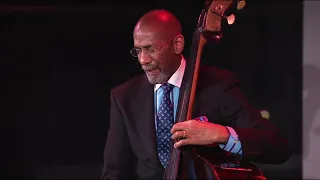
x: 144, y: 58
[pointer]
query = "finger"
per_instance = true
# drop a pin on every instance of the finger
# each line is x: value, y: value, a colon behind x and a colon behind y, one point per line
x: 178, y: 135
x: 182, y: 142
x: 178, y: 127
x: 185, y: 125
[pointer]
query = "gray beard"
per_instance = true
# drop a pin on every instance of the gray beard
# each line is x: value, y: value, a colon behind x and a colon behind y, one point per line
x: 161, y: 78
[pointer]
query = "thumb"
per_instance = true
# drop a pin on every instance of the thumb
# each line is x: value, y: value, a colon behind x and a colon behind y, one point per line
x: 182, y: 142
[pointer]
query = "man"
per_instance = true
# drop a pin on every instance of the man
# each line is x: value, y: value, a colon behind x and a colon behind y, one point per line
x: 137, y: 144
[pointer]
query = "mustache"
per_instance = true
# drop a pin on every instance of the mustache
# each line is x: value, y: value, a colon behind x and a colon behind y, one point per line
x: 150, y: 67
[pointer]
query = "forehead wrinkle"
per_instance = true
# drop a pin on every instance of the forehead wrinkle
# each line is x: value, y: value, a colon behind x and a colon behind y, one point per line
x: 143, y: 38
x: 148, y: 36
x: 155, y: 35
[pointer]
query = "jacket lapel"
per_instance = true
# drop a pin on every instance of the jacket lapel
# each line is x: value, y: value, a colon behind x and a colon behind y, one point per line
x: 145, y: 118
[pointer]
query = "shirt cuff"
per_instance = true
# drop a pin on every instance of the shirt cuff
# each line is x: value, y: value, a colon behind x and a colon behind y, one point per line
x: 233, y: 145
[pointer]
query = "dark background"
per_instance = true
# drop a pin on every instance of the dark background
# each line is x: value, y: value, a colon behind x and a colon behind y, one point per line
x: 60, y: 61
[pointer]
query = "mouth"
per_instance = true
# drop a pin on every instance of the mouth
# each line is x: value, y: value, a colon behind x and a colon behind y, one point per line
x: 152, y: 72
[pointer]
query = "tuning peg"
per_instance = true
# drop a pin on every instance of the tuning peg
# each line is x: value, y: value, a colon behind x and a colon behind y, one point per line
x: 265, y: 114
x: 231, y: 19
x: 241, y: 4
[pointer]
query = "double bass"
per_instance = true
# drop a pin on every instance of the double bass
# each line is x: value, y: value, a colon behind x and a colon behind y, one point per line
x: 206, y: 162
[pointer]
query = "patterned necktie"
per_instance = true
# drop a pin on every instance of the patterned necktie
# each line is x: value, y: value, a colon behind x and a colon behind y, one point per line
x: 164, y: 124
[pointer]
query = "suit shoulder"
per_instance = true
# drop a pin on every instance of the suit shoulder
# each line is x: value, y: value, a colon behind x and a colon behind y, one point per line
x: 218, y: 75
x: 128, y: 86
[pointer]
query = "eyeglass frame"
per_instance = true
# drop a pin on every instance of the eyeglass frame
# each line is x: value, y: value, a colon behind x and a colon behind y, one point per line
x: 156, y: 49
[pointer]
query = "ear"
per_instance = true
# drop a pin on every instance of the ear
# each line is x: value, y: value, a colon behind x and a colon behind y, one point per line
x: 178, y: 44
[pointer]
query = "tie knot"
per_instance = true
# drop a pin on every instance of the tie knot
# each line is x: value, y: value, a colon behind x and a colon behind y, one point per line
x: 167, y: 87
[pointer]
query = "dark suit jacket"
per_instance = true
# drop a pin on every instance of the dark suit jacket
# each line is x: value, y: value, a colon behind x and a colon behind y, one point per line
x: 131, y: 151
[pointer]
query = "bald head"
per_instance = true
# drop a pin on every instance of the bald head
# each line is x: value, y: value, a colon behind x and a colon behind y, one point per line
x: 159, y: 21
x: 158, y: 43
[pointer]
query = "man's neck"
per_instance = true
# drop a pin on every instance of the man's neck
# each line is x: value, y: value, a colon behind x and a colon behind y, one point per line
x: 176, y: 78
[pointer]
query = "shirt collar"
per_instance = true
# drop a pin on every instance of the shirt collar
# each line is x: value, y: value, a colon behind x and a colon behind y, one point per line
x: 176, y: 78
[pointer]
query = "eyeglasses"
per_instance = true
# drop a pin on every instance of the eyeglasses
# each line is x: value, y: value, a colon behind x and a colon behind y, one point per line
x: 150, y: 49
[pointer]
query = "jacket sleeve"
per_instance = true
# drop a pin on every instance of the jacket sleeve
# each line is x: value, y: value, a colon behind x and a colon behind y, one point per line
x: 118, y: 157
x: 261, y: 141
